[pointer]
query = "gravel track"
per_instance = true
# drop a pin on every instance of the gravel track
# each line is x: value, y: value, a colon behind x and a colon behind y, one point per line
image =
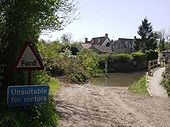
x: 154, y: 87
x: 92, y: 106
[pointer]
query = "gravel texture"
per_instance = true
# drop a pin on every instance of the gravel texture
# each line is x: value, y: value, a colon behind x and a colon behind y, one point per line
x: 92, y: 106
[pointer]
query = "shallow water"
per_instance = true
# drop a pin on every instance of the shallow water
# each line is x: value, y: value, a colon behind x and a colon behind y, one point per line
x: 118, y: 79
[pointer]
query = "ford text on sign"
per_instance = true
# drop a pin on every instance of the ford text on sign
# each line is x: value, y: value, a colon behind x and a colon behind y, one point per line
x: 27, y: 95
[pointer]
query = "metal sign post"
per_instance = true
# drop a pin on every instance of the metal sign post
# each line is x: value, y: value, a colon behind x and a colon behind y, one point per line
x: 29, y: 77
x: 28, y: 60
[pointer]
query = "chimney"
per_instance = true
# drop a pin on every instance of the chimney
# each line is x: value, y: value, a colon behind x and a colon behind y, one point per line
x: 135, y: 37
x: 86, y: 40
x: 106, y: 35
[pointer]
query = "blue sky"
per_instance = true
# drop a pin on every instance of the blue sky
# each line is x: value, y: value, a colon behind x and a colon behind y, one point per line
x: 118, y: 18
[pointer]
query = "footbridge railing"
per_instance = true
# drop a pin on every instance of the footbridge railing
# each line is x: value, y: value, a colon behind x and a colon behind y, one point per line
x: 152, y: 64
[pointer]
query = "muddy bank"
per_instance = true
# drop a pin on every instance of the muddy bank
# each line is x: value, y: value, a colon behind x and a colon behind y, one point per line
x: 92, y: 106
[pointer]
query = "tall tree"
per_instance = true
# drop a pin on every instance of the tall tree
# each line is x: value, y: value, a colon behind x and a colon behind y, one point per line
x: 137, y: 45
x: 148, y: 36
x: 164, y: 42
x: 66, y: 38
x: 161, y: 44
x: 24, y: 20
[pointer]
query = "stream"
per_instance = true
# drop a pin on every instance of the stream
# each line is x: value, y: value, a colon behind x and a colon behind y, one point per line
x: 117, y: 79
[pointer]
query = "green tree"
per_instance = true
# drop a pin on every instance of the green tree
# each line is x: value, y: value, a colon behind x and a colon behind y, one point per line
x: 90, y: 61
x: 164, y: 42
x: 137, y: 45
x: 24, y: 20
x: 66, y: 38
x: 167, y: 45
x: 148, y: 36
x: 153, y: 45
x: 161, y: 44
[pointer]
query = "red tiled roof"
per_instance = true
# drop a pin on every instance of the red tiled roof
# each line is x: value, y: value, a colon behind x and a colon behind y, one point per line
x: 96, y: 43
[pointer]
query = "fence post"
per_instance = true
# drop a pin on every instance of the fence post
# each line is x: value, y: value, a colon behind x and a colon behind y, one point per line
x: 149, y: 73
x: 152, y: 64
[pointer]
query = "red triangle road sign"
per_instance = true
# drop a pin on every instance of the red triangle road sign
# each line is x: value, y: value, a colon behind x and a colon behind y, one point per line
x: 29, y: 58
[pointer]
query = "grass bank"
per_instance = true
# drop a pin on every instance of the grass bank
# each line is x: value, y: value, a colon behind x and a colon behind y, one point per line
x: 139, y: 87
x: 166, y: 84
x: 31, y: 116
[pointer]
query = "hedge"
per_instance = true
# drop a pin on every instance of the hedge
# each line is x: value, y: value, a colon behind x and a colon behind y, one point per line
x: 124, y: 62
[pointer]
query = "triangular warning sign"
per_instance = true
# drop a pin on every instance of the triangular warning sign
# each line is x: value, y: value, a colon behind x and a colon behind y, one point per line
x: 29, y: 58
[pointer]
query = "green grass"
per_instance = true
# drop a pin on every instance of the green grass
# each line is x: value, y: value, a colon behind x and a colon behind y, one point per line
x: 166, y: 84
x: 139, y: 87
x: 32, y: 116
x: 54, y: 86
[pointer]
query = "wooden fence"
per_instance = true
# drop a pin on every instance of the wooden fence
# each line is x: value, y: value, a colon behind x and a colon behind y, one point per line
x: 152, y: 64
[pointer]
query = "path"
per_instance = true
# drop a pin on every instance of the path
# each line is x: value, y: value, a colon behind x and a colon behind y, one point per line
x: 154, y: 87
x: 92, y: 106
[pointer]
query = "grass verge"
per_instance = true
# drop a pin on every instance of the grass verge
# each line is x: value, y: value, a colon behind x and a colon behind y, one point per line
x: 139, y: 87
x: 54, y: 86
x: 166, y: 84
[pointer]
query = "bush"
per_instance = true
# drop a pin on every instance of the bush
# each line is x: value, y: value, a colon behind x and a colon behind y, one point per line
x: 77, y: 76
x: 166, y: 85
x: 151, y: 55
x: 139, y: 59
x: 55, y: 66
x: 123, y: 62
x: 74, y: 71
x: 59, y: 64
x: 138, y: 56
x: 102, y: 59
x: 1, y: 73
x: 29, y: 116
x: 90, y: 62
x: 41, y: 77
x: 51, y: 57
x: 121, y: 58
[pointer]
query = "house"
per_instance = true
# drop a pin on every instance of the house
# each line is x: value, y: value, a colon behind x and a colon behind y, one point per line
x: 123, y: 45
x: 98, y: 44
x: 105, y: 45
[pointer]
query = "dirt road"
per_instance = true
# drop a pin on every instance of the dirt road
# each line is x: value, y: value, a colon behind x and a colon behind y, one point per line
x: 92, y: 106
